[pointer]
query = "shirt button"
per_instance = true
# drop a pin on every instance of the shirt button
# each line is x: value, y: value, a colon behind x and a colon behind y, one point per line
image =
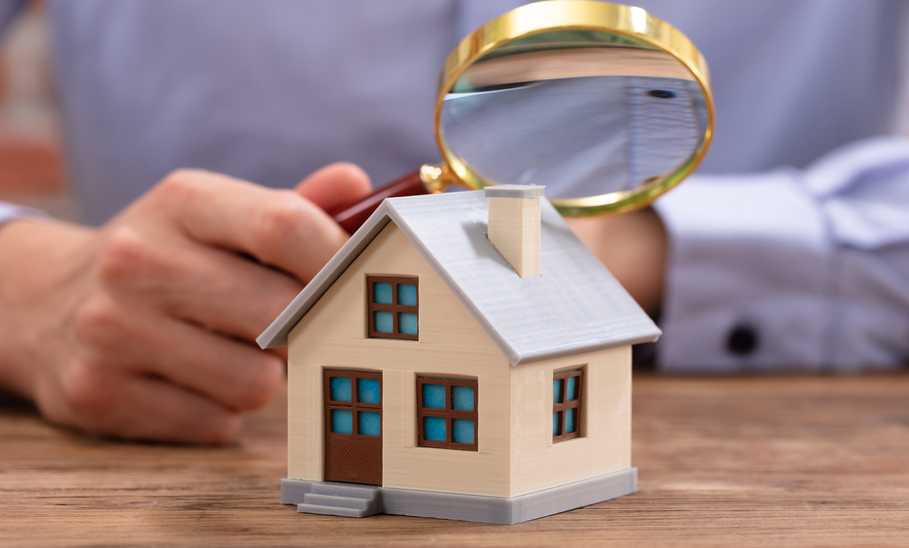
x: 742, y: 340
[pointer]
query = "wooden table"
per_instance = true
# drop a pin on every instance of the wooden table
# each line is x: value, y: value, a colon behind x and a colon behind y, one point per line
x: 736, y: 461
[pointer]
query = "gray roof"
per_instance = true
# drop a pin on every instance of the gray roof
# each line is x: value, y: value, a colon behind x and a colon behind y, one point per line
x: 574, y: 305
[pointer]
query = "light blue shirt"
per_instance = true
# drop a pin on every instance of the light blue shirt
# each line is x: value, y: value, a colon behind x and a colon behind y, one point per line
x: 795, y: 230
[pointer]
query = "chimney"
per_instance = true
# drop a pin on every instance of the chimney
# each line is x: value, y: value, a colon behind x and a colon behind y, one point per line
x: 514, y: 225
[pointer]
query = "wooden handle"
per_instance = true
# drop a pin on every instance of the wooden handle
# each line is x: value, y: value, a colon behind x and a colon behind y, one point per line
x: 352, y: 216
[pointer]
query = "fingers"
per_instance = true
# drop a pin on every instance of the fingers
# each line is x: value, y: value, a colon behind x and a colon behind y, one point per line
x: 204, y: 285
x: 279, y: 228
x: 179, y: 415
x: 229, y: 294
x: 236, y: 375
x: 135, y: 407
x: 336, y: 185
x: 122, y: 336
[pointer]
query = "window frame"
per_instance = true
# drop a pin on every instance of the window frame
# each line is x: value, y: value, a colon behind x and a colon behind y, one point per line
x: 565, y: 404
x: 354, y: 405
x: 394, y: 307
x: 448, y: 413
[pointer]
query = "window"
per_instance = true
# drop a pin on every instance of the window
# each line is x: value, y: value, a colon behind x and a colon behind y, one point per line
x: 567, y: 397
x: 447, y: 413
x: 392, y: 307
x: 353, y: 402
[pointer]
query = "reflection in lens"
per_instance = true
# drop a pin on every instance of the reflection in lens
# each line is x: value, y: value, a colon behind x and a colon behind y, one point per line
x: 583, y: 122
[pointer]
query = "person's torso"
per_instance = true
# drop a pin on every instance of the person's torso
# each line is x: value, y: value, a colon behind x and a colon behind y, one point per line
x: 273, y: 90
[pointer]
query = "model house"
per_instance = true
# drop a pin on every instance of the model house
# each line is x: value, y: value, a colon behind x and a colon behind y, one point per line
x: 463, y: 356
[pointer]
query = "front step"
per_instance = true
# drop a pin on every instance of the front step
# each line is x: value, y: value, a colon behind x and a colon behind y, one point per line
x: 332, y: 500
x: 338, y: 499
x: 333, y: 511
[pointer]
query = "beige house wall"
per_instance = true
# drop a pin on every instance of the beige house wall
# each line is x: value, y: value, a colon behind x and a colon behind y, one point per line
x: 605, y: 446
x: 452, y: 341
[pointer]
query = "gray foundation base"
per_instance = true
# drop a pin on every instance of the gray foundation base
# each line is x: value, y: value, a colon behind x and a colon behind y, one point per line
x: 410, y: 502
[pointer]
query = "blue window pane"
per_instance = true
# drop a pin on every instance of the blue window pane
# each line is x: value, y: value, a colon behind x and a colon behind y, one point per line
x: 462, y: 396
x: 407, y: 294
x: 341, y: 421
x: 434, y: 428
x: 557, y: 390
x: 381, y: 293
x: 383, y: 321
x: 368, y: 391
x: 434, y: 396
x: 370, y: 423
x: 572, y: 388
x: 340, y: 388
x: 569, y: 420
x: 555, y: 424
x: 462, y: 431
x: 407, y: 323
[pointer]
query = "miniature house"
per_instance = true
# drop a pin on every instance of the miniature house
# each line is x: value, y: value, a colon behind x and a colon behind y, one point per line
x: 463, y: 356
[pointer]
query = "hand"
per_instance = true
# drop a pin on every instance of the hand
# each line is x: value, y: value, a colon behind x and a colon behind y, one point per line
x: 144, y: 328
x: 634, y: 247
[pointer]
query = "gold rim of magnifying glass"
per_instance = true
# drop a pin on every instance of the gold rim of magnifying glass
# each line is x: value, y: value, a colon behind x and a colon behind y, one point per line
x: 563, y: 15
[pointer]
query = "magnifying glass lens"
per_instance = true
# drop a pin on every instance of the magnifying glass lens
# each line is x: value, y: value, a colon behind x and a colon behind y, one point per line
x: 578, y: 136
x: 585, y: 114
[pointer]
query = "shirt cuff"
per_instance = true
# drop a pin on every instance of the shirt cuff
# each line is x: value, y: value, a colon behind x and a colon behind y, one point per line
x: 9, y: 212
x: 748, y: 282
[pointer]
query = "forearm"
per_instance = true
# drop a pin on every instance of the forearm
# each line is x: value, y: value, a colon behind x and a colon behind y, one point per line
x: 37, y: 255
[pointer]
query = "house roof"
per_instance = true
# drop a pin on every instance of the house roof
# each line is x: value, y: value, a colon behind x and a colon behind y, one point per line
x: 574, y: 305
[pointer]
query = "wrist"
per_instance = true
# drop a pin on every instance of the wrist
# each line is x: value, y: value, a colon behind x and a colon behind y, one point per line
x: 39, y: 258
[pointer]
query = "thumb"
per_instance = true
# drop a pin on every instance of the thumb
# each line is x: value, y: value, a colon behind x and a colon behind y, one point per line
x: 335, y: 186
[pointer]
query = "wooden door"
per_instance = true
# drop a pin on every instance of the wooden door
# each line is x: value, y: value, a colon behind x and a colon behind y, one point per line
x: 353, y: 425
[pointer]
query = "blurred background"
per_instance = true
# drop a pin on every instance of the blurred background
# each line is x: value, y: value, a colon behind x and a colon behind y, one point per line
x: 31, y: 164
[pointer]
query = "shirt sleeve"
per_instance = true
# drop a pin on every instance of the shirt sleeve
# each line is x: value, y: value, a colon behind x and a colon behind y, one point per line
x: 9, y: 212
x: 791, y: 269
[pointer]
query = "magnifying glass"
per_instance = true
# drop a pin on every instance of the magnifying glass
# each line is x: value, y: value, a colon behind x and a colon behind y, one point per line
x: 604, y: 104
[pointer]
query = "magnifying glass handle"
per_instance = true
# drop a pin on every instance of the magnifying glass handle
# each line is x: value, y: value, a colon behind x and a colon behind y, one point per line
x: 350, y: 217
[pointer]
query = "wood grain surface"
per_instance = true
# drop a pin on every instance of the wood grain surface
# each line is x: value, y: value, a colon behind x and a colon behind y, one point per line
x: 732, y: 461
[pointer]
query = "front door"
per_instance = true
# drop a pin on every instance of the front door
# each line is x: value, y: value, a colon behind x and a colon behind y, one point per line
x: 353, y: 425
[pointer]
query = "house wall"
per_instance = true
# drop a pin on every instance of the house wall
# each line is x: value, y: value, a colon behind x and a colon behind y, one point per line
x: 333, y: 334
x: 605, y: 446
